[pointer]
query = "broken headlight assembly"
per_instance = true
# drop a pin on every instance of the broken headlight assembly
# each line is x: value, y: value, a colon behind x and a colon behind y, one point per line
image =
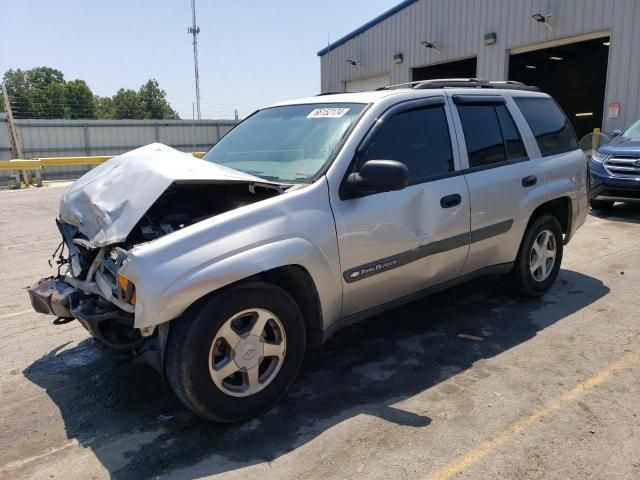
x: 126, y: 290
x: 113, y: 285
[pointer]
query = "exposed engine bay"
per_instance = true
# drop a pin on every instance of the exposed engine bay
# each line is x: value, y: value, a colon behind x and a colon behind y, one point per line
x: 186, y: 203
x: 87, y: 286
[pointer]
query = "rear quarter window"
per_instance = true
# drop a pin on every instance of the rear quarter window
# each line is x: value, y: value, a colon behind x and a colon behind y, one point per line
x: 549, y: 125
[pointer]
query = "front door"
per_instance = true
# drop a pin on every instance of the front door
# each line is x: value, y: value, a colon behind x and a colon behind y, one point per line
x: 393, y: 244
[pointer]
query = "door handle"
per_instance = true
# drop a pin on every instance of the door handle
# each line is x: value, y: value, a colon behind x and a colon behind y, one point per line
x: 450, y: 200
x: 529, y: 181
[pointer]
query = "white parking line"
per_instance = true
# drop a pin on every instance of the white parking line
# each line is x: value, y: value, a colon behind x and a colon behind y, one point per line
x: 15, y: 314
x: 20, y: 463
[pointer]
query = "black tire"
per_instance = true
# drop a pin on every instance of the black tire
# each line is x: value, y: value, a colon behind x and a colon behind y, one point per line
x: 601, y: 204
x: 522, y: 278
x: 189, y: 343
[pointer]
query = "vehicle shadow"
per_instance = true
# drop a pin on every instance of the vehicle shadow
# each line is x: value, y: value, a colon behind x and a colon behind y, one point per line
x: 137, y: 429
x: 621, y: 212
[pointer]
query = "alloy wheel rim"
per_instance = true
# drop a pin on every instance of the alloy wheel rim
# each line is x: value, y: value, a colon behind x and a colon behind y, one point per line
x: 247, y: 352
x: 542, y: 257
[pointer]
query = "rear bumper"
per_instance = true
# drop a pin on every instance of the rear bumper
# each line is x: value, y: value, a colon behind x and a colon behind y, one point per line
x: 606, y: 187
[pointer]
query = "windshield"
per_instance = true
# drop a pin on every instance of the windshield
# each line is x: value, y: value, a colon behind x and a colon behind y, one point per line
x: 288, y: 144
x: 633, y: 131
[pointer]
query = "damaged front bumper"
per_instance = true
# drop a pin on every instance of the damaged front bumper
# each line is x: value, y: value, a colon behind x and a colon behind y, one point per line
x: 90, y: 292
x: 51, y: 296
x: 104, y: 321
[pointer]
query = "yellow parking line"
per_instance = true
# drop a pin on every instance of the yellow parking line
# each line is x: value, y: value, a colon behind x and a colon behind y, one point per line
x: 463, y: 462
x: 15, y: 314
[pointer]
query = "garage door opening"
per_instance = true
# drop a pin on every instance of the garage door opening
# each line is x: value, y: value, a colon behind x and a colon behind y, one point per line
x: 366, y: 84
x: 466, y: 68
x: 574, y: 74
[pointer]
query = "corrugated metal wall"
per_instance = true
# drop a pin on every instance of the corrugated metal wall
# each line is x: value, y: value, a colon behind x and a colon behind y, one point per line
x: 459, y: 26
x: 66, y: 138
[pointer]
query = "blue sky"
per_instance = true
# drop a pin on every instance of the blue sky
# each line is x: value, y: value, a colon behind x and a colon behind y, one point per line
x: 252, y: 53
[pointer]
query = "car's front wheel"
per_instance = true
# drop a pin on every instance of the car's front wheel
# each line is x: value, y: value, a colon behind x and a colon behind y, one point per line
x: 236, y: 353
x: 539, y: 257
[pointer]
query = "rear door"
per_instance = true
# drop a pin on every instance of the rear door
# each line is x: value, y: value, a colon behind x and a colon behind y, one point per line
x: 393, y: 244
x: 502, y: 178
x: 565, y: 165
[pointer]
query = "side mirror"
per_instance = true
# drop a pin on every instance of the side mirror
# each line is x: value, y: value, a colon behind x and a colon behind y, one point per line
x: 378, y: 176
x: 616, y: 133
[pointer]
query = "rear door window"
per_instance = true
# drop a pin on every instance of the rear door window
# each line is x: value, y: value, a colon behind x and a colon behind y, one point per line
x: 549, y: 125
x: 490, y: 134
x: 512, y: 142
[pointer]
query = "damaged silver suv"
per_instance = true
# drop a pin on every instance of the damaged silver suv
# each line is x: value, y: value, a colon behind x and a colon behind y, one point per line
x: 307, y: 216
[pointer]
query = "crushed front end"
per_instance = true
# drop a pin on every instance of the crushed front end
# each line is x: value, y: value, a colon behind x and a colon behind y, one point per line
x: 126, y: 203
x: 89, y: 289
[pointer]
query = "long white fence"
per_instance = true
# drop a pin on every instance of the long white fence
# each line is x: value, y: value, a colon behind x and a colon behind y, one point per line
x: 67, y: 138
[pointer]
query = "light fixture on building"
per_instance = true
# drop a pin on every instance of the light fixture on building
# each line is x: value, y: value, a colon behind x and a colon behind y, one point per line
x: 607, y: 43
x: 543, y: 19
x: 490, y: 38
x: 556, y: 59
x: 356, y: 64
x: 431, y: 45
x: 531, y: 67
x: 398, y: 58
x: 585, y: 114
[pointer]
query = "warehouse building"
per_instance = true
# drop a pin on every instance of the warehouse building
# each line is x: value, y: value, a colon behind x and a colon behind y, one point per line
x: 586, y: 53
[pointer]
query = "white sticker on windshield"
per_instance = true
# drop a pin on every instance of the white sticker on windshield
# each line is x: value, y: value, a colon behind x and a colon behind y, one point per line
x: 328, y: 113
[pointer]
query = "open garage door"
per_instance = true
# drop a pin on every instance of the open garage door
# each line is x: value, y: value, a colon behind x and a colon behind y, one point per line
x: 575, y: 74
x: 457, y: 69
x: 367, y: 84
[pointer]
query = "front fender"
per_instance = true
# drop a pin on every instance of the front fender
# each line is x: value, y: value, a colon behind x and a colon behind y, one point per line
x: 157, y: 303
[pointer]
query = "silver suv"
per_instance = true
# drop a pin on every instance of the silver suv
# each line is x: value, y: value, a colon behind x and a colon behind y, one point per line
x: 307, y: 216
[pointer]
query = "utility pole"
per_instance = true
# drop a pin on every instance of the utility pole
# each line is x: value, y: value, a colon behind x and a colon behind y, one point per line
x: 194, y: 30
x: 193, y: 126
x: 16, y: 146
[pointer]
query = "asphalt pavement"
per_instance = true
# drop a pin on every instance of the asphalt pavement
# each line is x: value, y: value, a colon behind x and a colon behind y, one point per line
x: 472, y: 383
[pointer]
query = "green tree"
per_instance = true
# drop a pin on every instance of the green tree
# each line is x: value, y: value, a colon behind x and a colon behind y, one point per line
x: 36, y: 93
x: 126, y: 104
x: 43, y: 77
x: 153, y: 101
x: 42, y: 92
x: 104, y: 108
x: 79, y: 100
x: 18, y: 90
x: 47, y: 101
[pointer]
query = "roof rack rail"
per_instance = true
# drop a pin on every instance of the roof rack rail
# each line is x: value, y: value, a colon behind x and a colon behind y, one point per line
x: 473, y: 83
x: 322, y: 94
x: 398, y: 85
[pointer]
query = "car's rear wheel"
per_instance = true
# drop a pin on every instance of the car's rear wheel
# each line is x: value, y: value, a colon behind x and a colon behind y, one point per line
x: 538, y: 262
x: 237, y: 352
x: 601, y: 204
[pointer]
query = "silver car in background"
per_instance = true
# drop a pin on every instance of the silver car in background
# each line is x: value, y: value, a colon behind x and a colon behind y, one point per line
x: 308, y: 216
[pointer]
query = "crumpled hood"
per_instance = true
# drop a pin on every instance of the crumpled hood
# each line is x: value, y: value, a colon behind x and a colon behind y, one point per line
x: 106, y: 203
